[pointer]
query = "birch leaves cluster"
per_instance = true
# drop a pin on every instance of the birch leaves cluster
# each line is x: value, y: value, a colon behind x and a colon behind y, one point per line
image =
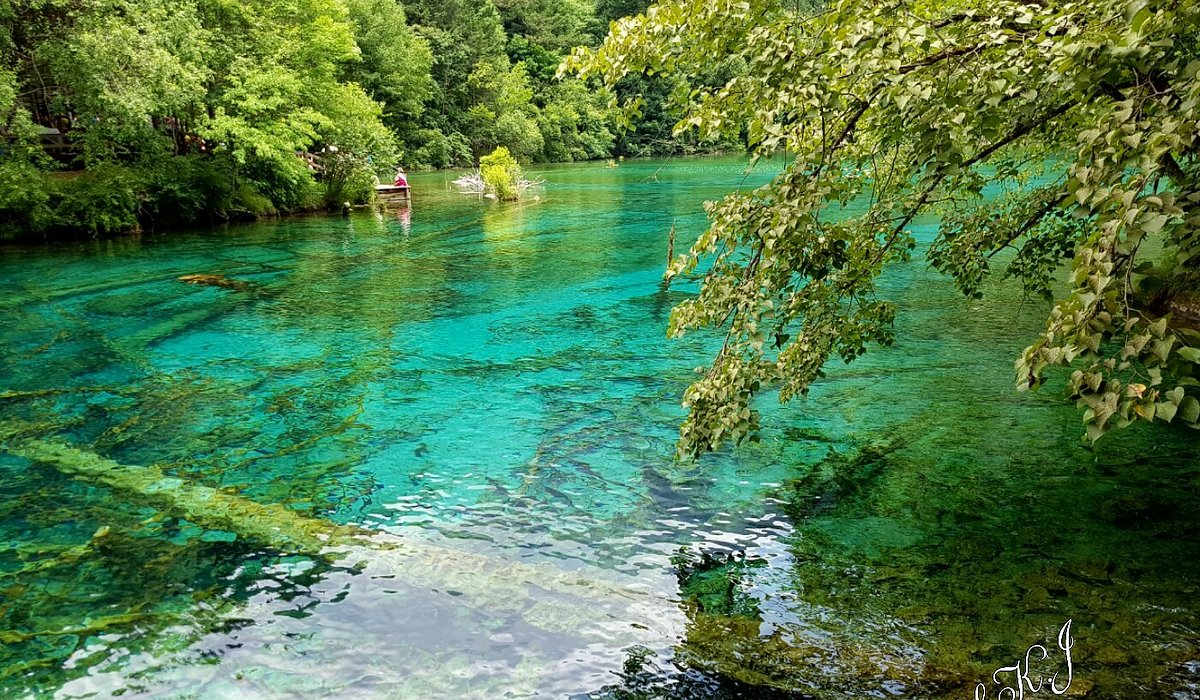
x: 1083, y: 113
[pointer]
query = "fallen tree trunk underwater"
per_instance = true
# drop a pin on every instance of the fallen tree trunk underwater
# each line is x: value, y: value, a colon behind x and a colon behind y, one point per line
x: 545, y: 597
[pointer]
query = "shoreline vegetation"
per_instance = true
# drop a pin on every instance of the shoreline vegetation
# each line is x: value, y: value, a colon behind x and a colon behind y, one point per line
x: 122, y: 116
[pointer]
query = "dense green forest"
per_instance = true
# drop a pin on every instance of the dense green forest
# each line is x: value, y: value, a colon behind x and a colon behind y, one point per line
x: 119, y: 114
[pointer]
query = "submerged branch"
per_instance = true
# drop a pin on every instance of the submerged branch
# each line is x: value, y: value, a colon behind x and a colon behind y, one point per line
x: 472, y: 183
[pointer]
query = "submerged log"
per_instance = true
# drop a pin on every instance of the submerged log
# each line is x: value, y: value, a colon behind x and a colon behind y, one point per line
x: 216, y: 509
x: 132, y: 346
x: 543, y: 595
x: 218, y: 281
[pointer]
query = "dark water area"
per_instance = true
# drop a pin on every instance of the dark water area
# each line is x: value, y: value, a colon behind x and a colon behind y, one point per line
x: 430, y: 454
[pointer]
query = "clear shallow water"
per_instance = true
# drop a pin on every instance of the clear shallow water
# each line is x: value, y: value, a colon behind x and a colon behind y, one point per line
x: 488, y: 389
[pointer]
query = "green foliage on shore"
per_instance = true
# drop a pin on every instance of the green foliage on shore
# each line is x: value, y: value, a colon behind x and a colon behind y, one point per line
x: 116, y: 114
x: 1084, y: 115
x: 119, y: 114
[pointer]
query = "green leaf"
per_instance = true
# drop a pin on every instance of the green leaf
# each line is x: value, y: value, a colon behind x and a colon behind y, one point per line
x: 1189, y: 354
x: 1189, y: 409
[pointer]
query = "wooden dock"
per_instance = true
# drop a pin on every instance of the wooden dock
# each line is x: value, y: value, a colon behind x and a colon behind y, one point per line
x: 392, y: 193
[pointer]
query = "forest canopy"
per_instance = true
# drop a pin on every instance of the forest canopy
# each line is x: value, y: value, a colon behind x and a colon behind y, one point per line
x: 1084, y: 113
x: 115, y: 113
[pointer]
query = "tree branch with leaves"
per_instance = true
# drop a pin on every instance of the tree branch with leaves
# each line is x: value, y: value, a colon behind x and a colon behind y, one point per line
x: 912, y: 106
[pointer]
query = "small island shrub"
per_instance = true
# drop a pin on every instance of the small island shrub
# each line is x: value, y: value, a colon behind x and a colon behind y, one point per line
x: 501, y: 174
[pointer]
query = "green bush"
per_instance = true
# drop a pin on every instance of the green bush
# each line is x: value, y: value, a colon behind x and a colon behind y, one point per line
x: 100, y: 202
x: 107, y: 200
x: 248, y: 200
x: 24, y: 200
x: 188, y: 189
x: 347, y: 178
x: 501, y: 174
x: 114, y: 199
x: 286, y: 181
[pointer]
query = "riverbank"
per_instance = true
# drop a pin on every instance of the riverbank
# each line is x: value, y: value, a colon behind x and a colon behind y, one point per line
x: 114, y: 200
x: 179, y: 193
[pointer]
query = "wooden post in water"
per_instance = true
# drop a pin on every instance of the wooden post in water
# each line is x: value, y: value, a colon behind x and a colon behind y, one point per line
x: 666, y: 280
x: 671, y: 246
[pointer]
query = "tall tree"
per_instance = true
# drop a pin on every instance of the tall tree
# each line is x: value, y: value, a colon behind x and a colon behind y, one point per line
x: 395, y: 62
x: 461, y: 33
x: 555, y: 25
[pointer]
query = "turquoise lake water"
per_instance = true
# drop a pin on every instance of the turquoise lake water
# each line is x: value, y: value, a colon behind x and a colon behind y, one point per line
x: 484, y: 395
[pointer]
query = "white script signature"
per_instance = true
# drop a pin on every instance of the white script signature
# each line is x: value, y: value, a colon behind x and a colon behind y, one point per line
x: 1014, y: 688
